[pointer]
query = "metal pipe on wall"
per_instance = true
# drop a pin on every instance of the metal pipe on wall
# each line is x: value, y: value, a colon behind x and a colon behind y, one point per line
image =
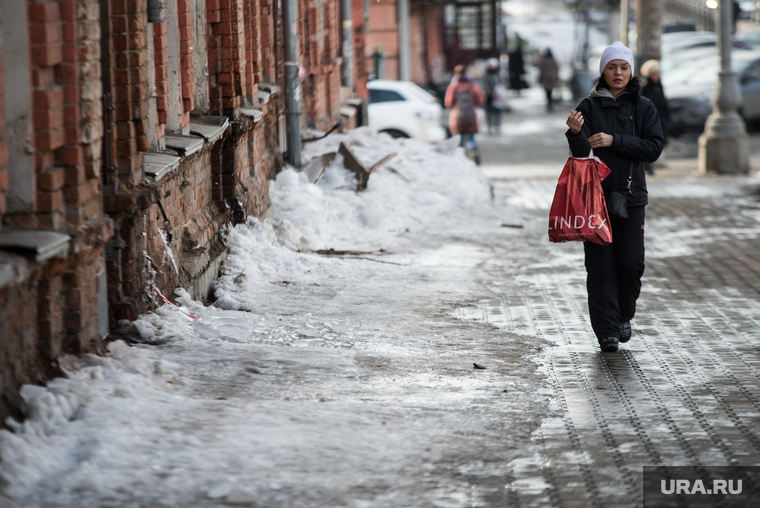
x: 347, y: 44
x: 404, y: 67
x: 292, y: 86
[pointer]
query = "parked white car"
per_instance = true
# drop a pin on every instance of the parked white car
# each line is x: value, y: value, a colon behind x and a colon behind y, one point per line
x: 404, y: 110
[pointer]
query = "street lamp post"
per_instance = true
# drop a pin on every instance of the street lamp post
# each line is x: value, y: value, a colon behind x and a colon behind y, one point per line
x: 724, y: 145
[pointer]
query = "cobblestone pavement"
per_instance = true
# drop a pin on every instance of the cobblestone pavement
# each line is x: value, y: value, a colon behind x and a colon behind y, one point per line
x: 686, y: 389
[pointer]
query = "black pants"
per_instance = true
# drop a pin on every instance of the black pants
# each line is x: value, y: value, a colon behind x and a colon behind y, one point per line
x: 614, y: 274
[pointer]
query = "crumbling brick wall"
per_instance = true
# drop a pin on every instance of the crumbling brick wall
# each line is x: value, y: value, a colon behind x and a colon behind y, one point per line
x: 3, y: 137
x: 51, y: 306
x: 90, y: 177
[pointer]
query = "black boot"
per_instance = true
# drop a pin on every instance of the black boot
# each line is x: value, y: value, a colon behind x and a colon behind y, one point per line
x: 609, y: 345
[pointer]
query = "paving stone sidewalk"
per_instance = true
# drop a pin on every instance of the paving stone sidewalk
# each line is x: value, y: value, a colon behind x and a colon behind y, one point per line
x: 686, y: 389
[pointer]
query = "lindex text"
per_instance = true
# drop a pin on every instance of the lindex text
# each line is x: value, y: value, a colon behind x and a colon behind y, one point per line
x: 578, y: 222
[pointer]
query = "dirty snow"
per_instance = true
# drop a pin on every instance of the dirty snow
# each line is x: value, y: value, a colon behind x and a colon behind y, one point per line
x: 315, y: 380
x: 204, y: 411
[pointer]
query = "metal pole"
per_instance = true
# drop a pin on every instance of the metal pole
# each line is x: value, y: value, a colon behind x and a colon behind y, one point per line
x: 292, y: 86
x: 625, y: 14
x: 724, y: 145
x: 404, y: 68
x: 348, y: 51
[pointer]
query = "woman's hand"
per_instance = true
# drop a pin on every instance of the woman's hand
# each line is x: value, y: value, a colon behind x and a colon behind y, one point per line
x: 600, y: 140
x: 575, y: 121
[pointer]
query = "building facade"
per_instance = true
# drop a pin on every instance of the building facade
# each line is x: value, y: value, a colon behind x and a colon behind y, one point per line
x: 132, y: 133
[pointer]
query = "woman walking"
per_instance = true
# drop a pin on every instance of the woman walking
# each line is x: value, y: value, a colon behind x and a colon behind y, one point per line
x: 624, y: 130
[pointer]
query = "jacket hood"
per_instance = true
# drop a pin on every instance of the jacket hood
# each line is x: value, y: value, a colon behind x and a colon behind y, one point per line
x: 598, y: 91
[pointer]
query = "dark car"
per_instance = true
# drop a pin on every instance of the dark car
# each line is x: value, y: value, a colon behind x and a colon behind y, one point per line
x: 689, y: 89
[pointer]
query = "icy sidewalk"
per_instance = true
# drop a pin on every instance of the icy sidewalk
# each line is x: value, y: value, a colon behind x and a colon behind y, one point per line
x: 315, y: 381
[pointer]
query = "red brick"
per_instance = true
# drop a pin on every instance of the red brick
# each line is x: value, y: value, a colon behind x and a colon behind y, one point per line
x: 119, y: 42
x: 69, y: 32
x: 119, y: 24
x: 49, y: 220
x: 184, y: 18
x: 68, y: 11
x: 45, y: 119
x: 69, y: 156
x: 75, y: 299
x: 49, y: 33
x: 71, y: 94
x: 122, y: 113
x: 67, y: 73
x: 122, y: 60
x: 74, y: 320
x: 213, y: 17
x: 139, y: 93
x: 44, y: 12
x: 77, y: 195
x: 49, y: 201
x: 138, y: 58
x: 138, y: 41
x: 51, y: 98
x: 121, y: 77
x: 73, y: 175
x: 47, y: 56
x: 119, y: 7
x: 139, y: 74
x: 50, y: 181
x: 69, y: 53
x: 49, y: 140
x: 137, y: 22
x: 118, y: 202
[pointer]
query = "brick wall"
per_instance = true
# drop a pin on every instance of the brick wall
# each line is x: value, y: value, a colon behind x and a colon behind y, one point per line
x: 51, y: 307
x: 129, y: 77
x: 426, y: 41
x: 3, y: 137
x: 89, y: 166
x: 18, y: 356
x: 319, y: 46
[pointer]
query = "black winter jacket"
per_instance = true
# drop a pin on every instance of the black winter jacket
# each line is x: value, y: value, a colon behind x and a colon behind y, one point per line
x: 642, y: 143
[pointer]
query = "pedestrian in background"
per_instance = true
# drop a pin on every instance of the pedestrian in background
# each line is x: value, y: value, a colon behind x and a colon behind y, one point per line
x: 463, y: 98
x: 517, y: 66
x: 491, y: 87
x: 654, y: 92
x: 548, y: 75
x: 623, y: 129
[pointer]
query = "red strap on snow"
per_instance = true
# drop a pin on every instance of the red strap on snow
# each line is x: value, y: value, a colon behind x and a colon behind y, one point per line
x: 170, y: 304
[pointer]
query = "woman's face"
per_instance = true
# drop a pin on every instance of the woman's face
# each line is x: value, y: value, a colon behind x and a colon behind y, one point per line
x: 617, y: 74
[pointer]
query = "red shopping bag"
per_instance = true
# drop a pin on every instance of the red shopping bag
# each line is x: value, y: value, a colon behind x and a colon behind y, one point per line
x: 579, y: 212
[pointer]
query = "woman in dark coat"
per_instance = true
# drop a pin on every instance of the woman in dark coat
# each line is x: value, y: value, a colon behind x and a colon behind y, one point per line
x: 624, y: 130
x: 654, y: 92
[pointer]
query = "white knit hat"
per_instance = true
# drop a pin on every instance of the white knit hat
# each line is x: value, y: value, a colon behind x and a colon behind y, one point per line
x: 615, y: 51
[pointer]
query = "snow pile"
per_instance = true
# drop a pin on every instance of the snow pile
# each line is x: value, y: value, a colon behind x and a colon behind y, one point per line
x: 111, y: 413
x: 56, y: 433
x: 419, y: 190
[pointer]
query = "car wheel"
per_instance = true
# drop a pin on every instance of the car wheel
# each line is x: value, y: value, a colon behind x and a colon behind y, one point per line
x: 395, y: 133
